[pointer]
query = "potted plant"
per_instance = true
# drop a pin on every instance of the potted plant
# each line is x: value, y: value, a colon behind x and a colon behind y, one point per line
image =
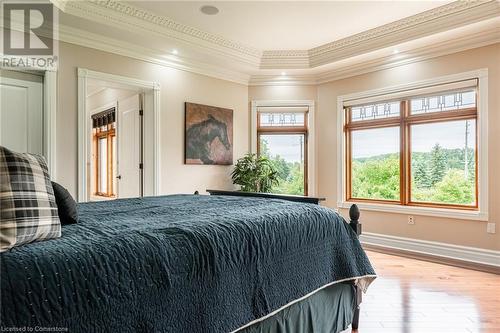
x: 255, y: 173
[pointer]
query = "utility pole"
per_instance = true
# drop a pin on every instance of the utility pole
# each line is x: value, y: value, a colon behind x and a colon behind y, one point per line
x: 466, y: 153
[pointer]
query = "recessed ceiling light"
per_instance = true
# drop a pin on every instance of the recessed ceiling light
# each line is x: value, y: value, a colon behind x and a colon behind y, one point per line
x: 396, y: 51
x: 283, y: 73
x: 174, y: 51
x: 209, y: 10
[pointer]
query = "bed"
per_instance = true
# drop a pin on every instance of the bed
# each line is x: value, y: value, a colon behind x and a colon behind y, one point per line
x: 189, y: 263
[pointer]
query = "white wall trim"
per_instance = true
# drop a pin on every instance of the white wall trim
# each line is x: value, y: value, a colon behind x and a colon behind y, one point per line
x: 49, y: 121
x: 132, y: 18
x: 311, y: 157
x: 444, y: 250
x: 129, y: 17
x: 482, y: 128
x: 470, y: 41
x: 243, y: 74
x: 151, y: 55
x: 84, y: 125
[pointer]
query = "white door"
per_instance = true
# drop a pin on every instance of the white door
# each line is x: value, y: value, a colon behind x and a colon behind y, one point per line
x: 21, y: 112
x: 129, y: 148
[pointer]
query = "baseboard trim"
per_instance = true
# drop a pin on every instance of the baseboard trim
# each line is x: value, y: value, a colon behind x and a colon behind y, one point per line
x: 443, y: 253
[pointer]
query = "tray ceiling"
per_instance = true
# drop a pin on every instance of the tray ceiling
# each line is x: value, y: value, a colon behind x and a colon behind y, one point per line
x: 298, y: 25
x: 256, y: 42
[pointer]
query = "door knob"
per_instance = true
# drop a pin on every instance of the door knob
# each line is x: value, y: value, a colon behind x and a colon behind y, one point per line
x: 119, y: 177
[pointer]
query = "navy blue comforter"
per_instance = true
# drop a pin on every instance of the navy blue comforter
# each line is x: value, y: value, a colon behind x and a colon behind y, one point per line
x: 177, y: 263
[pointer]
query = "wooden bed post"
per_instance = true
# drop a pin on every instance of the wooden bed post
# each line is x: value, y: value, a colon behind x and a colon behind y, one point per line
x: 356, y: 226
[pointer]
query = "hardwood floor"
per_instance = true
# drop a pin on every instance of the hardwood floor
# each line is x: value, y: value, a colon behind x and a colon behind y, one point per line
x: 413, y: 296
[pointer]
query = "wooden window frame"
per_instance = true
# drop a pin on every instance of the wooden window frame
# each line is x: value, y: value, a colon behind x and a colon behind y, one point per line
x: 109, y: 133
x: 288, y: 130
x: 405, y: 122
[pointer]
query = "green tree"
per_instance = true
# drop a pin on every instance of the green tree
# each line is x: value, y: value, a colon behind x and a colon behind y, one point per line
x: 376, y: 178
x: 454, y: 188
x: 438, y: 164
x: 290, y: 174
x: 294, y: 184
x: 421, y: 174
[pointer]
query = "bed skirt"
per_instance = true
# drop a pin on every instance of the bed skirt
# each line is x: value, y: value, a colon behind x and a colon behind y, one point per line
x: 329, y: 310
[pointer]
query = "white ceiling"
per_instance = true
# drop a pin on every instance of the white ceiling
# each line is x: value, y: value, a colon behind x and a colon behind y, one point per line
x: 278, y: 25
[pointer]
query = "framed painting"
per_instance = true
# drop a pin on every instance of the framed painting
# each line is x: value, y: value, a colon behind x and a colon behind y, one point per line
x: 208, y: 135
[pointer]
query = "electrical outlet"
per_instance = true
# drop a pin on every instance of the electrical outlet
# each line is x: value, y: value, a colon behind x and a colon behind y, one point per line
x: 411, y: 220
x: 490, y: 228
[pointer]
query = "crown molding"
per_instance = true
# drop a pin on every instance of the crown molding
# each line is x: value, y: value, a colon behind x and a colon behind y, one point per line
x: 99, y: 42
x: 102, y: 43
x: 285, y: 59
x: 288, y: 59
x: 471, y: 41
x: 452, y: 15
x: 129, y: 17
x: 449, y: 16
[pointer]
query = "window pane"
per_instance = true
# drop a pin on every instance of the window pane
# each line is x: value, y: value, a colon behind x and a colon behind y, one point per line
x: 375, y: 111
x: 287, y: 151
x: 103, y: 165
x: 281, y: 119
x: 443, y: 162
x: 375, y: 164
x: 444, y: 102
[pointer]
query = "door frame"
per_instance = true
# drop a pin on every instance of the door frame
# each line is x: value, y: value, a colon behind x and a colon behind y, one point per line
x: 49, y: 110
x: 151, y: 175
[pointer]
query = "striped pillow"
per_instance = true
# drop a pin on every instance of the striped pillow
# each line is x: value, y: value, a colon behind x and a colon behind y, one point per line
x: 28, y: 209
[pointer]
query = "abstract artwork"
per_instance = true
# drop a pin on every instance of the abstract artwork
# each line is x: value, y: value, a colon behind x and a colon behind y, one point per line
x: 209, y: 135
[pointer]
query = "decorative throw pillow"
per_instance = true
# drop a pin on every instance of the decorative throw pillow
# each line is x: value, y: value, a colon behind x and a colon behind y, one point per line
x: 66, y: 205
x: 28, y: 209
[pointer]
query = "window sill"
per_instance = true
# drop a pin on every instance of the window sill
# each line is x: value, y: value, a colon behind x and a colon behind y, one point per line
x: 423, y: 211
x: 101, y: 198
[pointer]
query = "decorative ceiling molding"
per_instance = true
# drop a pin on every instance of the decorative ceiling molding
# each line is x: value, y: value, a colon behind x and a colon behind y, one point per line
x: 131, y: 18
x: 452, y: 15
x: 446, y: 17
x: 99, y: 42
x: 250, y: 62
x: 102, y: 43
x: 471, y: 41
x: 285, y: 59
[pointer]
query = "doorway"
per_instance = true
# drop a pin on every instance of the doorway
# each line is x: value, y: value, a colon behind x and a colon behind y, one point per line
x: 21, y: 111
x: 117, y: 137
x: 28, y: 113
x: 117, y: 145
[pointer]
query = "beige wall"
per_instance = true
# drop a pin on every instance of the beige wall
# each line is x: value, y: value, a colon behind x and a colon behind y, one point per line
x: 106, y: 97
x: 177, y: 87
x: 453, y: 231
x: 282, y: 93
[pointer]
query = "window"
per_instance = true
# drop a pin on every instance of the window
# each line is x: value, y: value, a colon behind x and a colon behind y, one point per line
x: 104, y: 154
x: 282, y: 137
x: 414, y: 150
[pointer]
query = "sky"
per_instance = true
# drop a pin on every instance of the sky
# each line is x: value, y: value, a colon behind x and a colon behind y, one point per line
x: 287, y: 146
